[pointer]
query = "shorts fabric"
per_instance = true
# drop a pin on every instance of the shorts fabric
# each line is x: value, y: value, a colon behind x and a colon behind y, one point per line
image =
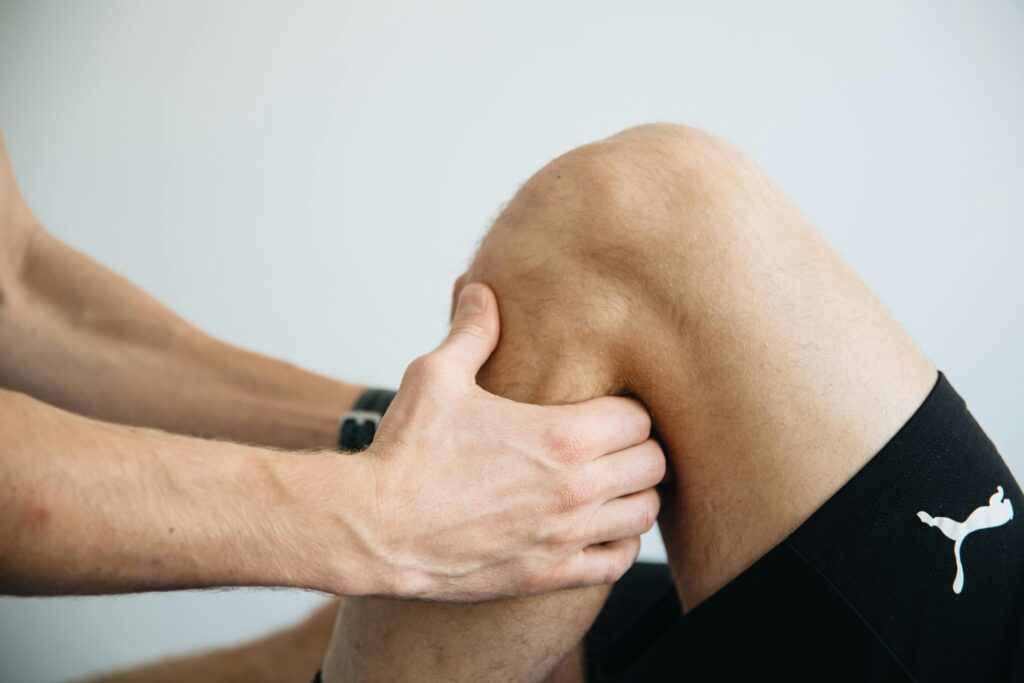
x: 865, y: 589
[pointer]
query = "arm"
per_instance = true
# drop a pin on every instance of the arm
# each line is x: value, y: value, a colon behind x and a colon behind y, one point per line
x: 85, y: 503
x: 88, y: 506
x: 76, y: 335
x: 92, y: 507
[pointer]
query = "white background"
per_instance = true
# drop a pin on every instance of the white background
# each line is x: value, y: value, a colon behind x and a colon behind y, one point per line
x: 306, y: 179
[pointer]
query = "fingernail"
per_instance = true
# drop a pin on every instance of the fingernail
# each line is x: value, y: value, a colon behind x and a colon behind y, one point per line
x: 471, y: 300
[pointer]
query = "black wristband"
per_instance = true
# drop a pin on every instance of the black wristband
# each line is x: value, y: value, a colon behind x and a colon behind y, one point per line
x: 359, y: 425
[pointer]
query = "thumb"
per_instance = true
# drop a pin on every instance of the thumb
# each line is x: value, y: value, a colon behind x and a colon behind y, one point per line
x: 474, y: 332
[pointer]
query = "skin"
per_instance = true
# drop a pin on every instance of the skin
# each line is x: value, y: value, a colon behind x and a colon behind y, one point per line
x: 90, y: 506
x: 292, y: 654
x: 661, y: 263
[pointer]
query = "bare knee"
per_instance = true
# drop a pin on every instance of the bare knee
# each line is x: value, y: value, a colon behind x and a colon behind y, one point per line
x: 619, y: 208
x: 611, y: 235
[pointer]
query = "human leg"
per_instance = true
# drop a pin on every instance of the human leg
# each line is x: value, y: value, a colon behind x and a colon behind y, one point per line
x: 771, y: 371
x: 525, y: 639
x: 292, y: 654
x: 662, y: 263
x: 774, y: 378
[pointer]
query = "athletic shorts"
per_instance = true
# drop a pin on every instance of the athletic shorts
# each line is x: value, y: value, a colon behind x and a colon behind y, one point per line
x: 912, y: 571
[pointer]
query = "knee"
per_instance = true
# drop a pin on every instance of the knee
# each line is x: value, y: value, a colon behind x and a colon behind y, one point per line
x: 615, y: 235
x: 625, y: 174
x: 636, y: 192
x: 613, y: 212
x: 650, y: 167
x: 577, y: 254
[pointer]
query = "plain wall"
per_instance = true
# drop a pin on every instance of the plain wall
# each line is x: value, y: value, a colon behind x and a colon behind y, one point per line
x: 307, y: 179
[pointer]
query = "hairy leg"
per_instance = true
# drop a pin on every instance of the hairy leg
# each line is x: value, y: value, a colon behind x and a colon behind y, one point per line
x: 527, y: 639
x: 662, y: 263
x: 293, y: 654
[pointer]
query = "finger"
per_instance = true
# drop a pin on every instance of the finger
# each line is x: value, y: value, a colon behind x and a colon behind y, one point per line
x: 474, y: 331
x: 605, y: 563
x: 624, y: 517
x: 605, y: 425
x: 630, y: 470
x: 460, y: 282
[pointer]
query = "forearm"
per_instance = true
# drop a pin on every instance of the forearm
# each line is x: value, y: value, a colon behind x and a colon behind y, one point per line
x: 81, y: 337
x: 90, y: 507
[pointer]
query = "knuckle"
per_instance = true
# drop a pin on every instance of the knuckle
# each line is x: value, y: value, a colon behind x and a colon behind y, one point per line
x: 470, y: 328
x: 649, y: 514
x: 573, y: 495
x: 563, y: 537
x: 641, y: 418
x: 641, y: 519
x: 566, y: 448
x: 656, y: 465
x: 416, y: 369
x: 423, y: 368
x: 631, y: 416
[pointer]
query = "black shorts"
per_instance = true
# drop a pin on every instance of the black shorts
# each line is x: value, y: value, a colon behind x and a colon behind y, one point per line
x: 867, y: 588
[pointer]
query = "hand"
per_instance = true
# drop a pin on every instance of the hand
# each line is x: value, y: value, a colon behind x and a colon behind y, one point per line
x: 481, y: 497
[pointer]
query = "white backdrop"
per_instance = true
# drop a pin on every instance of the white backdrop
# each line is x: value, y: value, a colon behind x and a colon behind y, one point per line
x: 306, y: 179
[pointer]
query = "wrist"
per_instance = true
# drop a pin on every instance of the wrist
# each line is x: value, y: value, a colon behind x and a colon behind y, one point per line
x: 358, y: 425
x: 329, y: 539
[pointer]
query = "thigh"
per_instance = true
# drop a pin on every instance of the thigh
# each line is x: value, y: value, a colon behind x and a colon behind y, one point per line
x: 663, y: 264
x: 813, y: 448
x: 669, y: 261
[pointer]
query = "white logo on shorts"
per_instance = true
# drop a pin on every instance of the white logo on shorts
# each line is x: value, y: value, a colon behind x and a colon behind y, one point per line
x: 997, y: 513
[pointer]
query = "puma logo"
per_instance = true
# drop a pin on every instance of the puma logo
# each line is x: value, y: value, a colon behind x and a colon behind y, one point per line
x: 997, y: 513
